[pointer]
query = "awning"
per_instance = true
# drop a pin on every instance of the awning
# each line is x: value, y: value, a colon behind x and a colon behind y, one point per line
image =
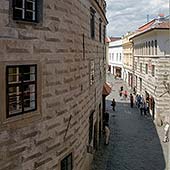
x: 106, y: 89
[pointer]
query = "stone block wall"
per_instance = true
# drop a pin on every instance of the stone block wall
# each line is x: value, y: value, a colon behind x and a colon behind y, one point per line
x: 65, y: 98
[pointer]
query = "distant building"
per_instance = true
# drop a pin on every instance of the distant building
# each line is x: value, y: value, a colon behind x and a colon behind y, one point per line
x: 152, y: 66
x: 115, y: 57
x: 52, y: 69
x: 128, y: 59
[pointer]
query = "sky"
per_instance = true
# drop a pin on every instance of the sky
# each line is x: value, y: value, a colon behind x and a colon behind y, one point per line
x: 127, y: 15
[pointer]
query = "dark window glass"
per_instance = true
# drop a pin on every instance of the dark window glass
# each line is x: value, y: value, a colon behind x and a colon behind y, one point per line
x: 66, y: 163
x: 155, y: 47
x: 92, y: 23
x: 25, y: 10
x: 21, y: 89
x: 90, y: 127
x: 100, y: 30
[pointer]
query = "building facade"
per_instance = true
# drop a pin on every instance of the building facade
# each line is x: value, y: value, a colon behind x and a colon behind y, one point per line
x: 152, y: 66
x: 52, y: 74
x: 128, y: 59
x: 116, y: 58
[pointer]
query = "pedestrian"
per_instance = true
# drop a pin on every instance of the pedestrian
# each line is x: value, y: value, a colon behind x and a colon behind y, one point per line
x: 120, y: 91
x: 141, y: 106
x: 106, y: 119
x: 166, y: 133
x: 113, y: 104
x: 125, y: 94
x: 136, y: 100
x: 131, y: 100
x: 145, y: 109
x: 107, y: 134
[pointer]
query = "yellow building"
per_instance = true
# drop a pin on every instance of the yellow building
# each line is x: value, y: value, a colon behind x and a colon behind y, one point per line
x: 128, y: 59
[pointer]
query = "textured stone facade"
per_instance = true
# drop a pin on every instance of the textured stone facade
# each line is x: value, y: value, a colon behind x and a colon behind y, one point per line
x: 61, y: 47
x: 151, y: 68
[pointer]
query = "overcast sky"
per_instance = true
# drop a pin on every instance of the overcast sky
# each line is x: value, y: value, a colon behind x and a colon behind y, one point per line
x: 128, y: 15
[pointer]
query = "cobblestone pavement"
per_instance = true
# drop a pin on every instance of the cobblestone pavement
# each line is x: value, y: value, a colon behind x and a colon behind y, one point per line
x: 134, y: 143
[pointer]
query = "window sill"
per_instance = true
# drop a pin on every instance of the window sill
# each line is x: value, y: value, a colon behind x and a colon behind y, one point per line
x: 21, y: 120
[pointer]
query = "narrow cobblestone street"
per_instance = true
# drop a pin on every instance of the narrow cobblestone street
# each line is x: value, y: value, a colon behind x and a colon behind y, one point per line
x: 134, y: 143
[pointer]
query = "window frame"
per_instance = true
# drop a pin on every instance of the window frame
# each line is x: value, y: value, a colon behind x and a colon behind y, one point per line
x: 35, y: 11
x: 21, y: 120
x: 91, y: 122
x: 22, y: 84
x: 92, y: 23
x: 146, y: 68
x: 65, y: 160
x: 153, y: 70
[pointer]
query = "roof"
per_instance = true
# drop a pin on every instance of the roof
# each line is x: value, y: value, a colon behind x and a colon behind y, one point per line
x: 152, y: 25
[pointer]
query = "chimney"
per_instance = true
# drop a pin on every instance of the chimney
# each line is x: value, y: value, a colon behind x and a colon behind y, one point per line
x: 161, y: 17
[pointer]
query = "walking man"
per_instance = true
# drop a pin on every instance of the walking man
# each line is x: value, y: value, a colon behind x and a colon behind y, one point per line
x: 113, y: 104
x: 131, y: 100
x: 107, y: 134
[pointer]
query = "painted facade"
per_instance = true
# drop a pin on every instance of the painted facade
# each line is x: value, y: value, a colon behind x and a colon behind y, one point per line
x: 152, y: 67
x: 116, y: 58
x: 128, y: 59
x: 52, y: 74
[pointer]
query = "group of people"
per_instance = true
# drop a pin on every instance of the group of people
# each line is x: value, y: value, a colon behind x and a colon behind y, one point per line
x: 142, y: 104
x: 122, y: 93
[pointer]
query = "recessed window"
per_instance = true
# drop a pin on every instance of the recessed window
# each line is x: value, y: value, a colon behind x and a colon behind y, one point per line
x: 25, y: 10
x: 66, y: 163
x: 92, y: 23
x: 91, y: 127
x: 155, y: 47
x: 21, y: 91
x: 146, y: 68
x: 91, y: 72
x: 153, y: 70
x: 100, y: 30
x: 141, y: 67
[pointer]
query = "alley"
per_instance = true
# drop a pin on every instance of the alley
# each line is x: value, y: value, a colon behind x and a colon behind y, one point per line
x: 134, y: 143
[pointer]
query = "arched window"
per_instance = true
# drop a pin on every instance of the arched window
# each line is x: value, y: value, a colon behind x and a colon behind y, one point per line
x: 152, y: 45
x: 155, y: 47
x: 149, y: 46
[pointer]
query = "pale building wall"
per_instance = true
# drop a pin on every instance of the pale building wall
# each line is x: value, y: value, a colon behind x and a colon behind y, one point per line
x: 39, y: 140
x: 154, y: 84
x: 116, y: 56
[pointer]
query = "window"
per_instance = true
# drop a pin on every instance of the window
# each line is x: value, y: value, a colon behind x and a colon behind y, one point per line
x: 21, y: 89
x: 104, y: 33
x: 120, y: 57
x: 135, y: 65
x: 146, y: 68
x: 100, y: 30
x: 152, y: 44
x: 153, y: 70
x: 91, y: 72
x: 92, y: 22
x: 155, y: 47
x: 25, y: 10
x: 91, y: 127
x: 66, y: 163
x: 149, y: 47
x: 141, y: 67
x: 140, y: 79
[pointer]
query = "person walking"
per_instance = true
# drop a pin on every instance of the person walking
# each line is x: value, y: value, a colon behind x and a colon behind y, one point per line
x: 125, y: 94
x: 131, y: 100
x: 113, y: 104
x: 141, y: 106
x: 107, y: 134
x: 166, y: 133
